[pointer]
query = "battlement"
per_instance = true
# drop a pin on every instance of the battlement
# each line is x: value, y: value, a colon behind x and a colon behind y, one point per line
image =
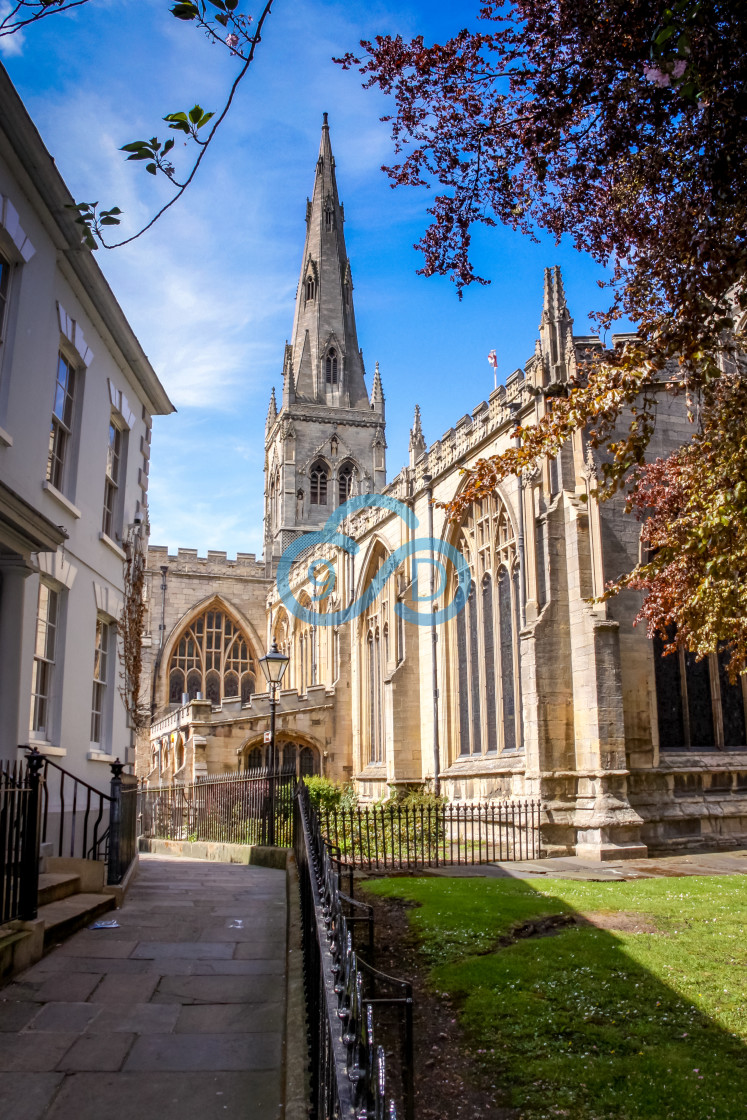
x: 216, y: 561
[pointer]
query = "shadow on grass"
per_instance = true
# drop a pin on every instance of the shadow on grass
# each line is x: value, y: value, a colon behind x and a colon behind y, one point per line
x: 591, y: 1023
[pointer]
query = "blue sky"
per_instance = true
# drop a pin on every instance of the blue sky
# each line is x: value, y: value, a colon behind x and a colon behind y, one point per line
x: 210, y: 290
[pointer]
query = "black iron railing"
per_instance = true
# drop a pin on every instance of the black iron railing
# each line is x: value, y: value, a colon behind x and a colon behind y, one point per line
x: 348, y: 1065
x: 122, y: 835
x: 40, y: 802
x: 404, y: 836
x: 19, y: 846
x: 74, y: 815
x: 253, y: 807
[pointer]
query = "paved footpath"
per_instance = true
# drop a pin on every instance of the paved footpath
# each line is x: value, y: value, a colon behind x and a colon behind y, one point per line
x: 572, y: 867
x: 176, y: 1015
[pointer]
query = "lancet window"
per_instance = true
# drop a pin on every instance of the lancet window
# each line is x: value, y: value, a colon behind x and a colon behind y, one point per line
x: 485, y: 653
x: 319, y: 476
x: 345, y: 482
x: 310, y: 288
x: 330, y: 366
x: 374, y: 630
x: 214, y: 657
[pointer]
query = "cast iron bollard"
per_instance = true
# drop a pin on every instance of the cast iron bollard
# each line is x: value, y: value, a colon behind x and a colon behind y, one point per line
x: 30, y: 856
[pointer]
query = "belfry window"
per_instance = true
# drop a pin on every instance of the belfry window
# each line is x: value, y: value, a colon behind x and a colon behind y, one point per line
x: 345, y: 482
x: 213, y: 656
x: 485, y: 636
x: 330, y: 367
x: 319, y: 477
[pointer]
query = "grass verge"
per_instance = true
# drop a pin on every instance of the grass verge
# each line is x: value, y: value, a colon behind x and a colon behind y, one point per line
x: 594, y: 1023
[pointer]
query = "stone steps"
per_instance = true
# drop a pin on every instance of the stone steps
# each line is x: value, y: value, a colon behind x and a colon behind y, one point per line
x: 55, y: 886
x: 66, y: 915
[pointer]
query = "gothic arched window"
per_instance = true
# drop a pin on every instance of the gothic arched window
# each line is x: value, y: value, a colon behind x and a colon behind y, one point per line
x: 213, y: 656
x: 485, y: 636
x: 319, y: 476
x: 330, y: 366
x: 345, y: 482
x: 308, y: 762
x: 375, y: 623
x: 310, y: 288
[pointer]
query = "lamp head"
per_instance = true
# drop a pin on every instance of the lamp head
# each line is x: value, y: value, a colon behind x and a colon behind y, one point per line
x: 274, y: 663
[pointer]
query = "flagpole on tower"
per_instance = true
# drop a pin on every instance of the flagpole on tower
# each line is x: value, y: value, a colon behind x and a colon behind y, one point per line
x: 493, y: 360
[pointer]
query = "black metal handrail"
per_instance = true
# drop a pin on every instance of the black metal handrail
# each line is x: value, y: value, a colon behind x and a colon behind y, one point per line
x: 349, y: 1073
x: 75, y: 843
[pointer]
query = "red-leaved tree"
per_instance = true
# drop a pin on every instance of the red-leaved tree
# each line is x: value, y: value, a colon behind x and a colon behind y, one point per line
x: 623, y: 125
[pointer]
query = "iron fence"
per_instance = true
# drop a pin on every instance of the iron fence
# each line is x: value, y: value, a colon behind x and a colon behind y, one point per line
x: 404, y: 836
x: 253, y: 807
x: 349, y: 1075
x: 16, y: 809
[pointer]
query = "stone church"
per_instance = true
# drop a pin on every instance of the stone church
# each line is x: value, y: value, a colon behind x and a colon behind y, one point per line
x: 526, y: 689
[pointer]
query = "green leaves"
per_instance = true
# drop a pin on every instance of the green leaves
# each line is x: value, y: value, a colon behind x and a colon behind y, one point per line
x: 91, y: 221
x: 185, y: 10
x: 152, y: 150
x: 189, y: 122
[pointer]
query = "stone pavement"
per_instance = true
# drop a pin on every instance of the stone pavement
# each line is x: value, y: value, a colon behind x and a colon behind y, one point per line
x: 572, y: 867
x: 177, y: 1014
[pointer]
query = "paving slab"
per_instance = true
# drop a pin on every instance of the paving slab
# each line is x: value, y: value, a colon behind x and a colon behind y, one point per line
x: 28, y: 1098
x: 188, y: 950
x: 138, y: 1018
x: 121, y: 988
x: 168, y: 1096
x: 97, y: 1052
x: 232, y: 1018
x: 72, y: 1017
x: 192, y: 1052
x: 218, y: 989
x: 177, y: 1014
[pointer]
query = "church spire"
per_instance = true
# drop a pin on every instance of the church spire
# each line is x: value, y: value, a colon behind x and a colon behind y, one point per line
x: 327, y: 363
x: 377, y: 392
x: 417, y: 439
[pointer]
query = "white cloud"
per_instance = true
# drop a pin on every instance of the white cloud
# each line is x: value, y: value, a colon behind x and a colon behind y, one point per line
x: 11, y: 46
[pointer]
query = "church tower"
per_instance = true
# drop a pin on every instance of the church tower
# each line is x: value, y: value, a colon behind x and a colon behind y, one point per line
x: 326, y: 442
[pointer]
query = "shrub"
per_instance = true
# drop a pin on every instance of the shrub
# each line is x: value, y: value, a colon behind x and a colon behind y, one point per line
x: 326, y: 794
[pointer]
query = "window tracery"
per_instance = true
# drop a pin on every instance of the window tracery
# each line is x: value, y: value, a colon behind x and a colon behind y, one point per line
x: 214, y: 657
x: 485, y: 635
x: 345, y: 482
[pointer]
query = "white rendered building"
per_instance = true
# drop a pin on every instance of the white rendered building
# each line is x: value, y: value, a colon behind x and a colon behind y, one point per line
x: 77, y: 395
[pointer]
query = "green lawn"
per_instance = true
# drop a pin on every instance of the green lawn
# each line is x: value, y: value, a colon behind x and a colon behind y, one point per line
x: 589, y: 1023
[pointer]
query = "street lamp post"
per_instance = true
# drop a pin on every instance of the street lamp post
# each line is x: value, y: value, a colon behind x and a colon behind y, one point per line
x: 274, y: 664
